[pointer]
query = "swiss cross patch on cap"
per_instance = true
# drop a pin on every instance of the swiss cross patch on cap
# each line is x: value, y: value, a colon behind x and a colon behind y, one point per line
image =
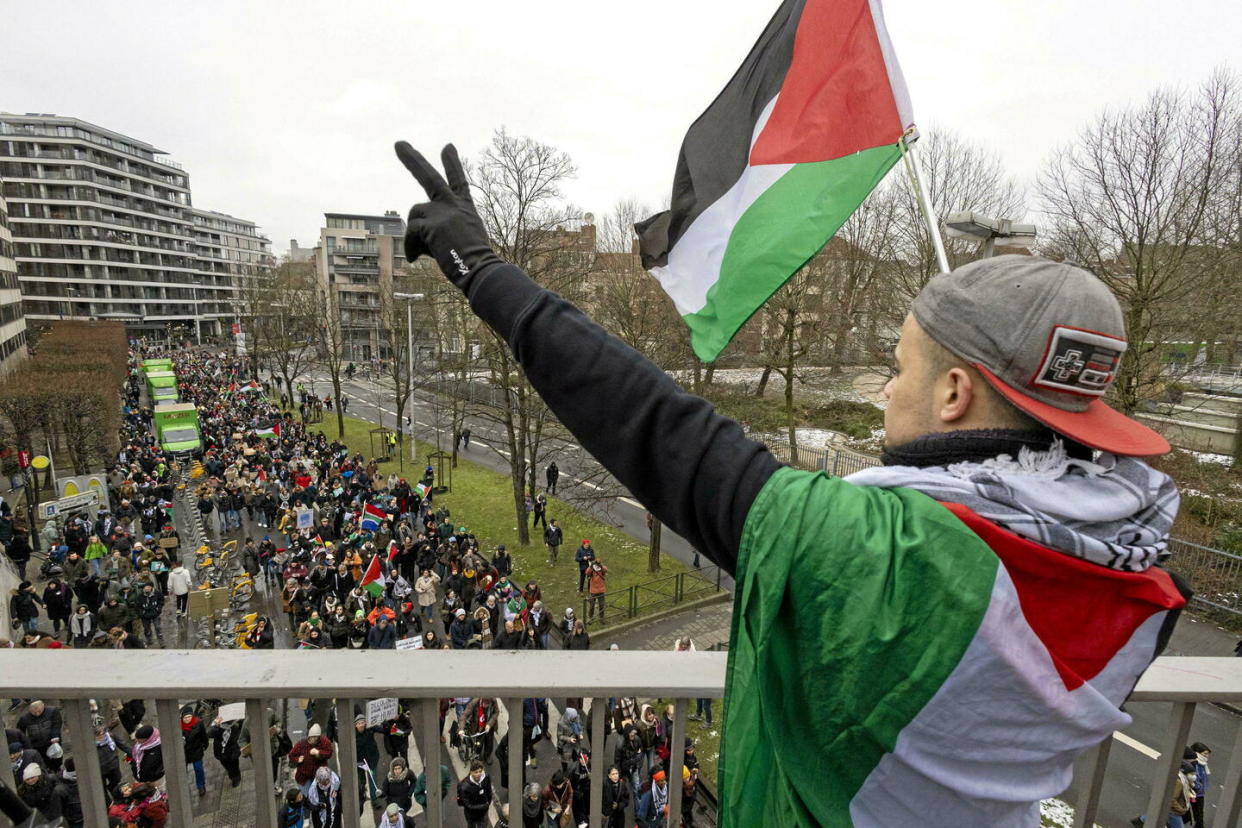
x: 1079, y: 361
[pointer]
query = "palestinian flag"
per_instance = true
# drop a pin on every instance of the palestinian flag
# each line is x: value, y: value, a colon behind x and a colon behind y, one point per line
x: 272, y: 431
x: 392, y: 550
x: 804, y: 131
x: 372, y: 517
x: 897, y: 661
x: 422, y: 490
x: 373, y: 580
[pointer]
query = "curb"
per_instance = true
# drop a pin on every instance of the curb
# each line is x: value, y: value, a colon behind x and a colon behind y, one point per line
x: 617, y: 629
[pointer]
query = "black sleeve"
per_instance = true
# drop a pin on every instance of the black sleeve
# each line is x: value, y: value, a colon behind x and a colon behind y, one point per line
x: 692, y: 468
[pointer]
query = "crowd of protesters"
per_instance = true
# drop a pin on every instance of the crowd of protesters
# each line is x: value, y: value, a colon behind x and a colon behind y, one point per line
x: 356, y: 560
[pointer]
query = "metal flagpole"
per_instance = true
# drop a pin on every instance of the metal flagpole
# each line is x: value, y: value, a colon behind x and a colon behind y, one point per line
x: 915, y: 171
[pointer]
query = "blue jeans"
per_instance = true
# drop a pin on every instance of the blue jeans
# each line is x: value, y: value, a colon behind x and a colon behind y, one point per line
x: 200, y: 778
x: 430, y: 612
x: 703, y: 707
x: 97, y: 567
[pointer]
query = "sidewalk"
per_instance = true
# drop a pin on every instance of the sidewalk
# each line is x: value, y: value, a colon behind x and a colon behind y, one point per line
x: 1195, y: 636
x: 707, y: 626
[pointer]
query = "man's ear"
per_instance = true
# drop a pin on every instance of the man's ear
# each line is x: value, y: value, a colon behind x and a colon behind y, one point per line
x: 954, y: 394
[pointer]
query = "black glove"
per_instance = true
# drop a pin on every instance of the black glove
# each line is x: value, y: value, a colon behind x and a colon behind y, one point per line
x: 448, y: 227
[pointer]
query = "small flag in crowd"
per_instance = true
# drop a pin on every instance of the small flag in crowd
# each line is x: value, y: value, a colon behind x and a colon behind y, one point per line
x: 273, y: 431
x: 422, y: 490
x: 373, y: 580
x: 804, y: 131
x: 372, y: 517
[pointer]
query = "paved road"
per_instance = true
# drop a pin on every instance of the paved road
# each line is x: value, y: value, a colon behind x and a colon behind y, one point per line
x: 223, y: 804
x: 579, y: 471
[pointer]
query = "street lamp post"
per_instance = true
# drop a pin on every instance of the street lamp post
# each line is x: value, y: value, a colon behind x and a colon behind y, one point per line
x: 198, y: 319
x: 978, y: 227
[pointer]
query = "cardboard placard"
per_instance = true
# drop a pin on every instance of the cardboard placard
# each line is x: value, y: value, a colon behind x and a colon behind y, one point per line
x: 413, y: 643
x: 169, y: 543
x: 380, y: 710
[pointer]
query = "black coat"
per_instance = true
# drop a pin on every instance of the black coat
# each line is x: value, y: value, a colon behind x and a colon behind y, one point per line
x: 151, y: 768
x: 616, y: 796
x: 195, y: 742
x: 400, y: 791
x: 41, y: 730
x: 226, y: 742
x: 475, y: 797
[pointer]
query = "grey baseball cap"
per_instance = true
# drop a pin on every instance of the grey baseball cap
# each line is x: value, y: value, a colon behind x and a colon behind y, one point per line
x: 1048, y: 336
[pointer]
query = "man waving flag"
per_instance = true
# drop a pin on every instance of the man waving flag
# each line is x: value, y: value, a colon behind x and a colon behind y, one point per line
x: 807, y: 127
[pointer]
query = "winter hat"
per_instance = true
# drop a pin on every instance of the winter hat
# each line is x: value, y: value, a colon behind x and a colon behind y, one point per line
x: 461, y: 613
x: 15, y: 747
x: 25, y: 585
x: 359, y: 718
x: 658, y: 776
x: 32, y: 771
x: 314, y: 732
x: 144, y: 732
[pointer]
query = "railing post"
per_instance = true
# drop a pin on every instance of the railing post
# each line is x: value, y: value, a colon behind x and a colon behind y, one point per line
x: 261, y: 758
x: 599, y: 712
x: 1091, y: 772
x: 86, y: 760
x: 177, y: 782
x: 347, y: 750
x: 517, y: 759
x: 431, y: 760
x: 633, y: 600
x: 679, y: 588
x: 1230, y: 808
x: 1171, y: 746
x: 676, y: 760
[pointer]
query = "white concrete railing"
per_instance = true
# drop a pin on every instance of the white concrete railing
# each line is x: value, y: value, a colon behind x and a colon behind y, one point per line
x: 172, y: 676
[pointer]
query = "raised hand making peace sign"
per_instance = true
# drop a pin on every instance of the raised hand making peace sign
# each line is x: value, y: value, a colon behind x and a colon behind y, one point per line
x: 447, y: 227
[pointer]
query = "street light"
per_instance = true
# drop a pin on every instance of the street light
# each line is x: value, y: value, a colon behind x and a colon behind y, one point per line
x: 971, y: 225
x: 410, y: 299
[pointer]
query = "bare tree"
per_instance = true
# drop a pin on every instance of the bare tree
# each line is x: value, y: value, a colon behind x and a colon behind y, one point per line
x: 284, y: 324
x: 1131, y: 199
x: 959, y: 175
x: 517, y: 183
x: 330, y: 349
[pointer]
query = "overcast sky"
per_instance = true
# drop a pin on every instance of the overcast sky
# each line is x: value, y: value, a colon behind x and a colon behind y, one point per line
x: 281, y: 111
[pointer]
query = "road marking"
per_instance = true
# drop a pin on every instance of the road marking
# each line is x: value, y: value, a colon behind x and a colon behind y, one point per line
x: 1136, y: 745
x: 631, y: 502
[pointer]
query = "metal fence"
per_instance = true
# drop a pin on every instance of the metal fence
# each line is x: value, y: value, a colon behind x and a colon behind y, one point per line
x: 652, y: 596
x: 834, y: 460
x: 1214, y: 574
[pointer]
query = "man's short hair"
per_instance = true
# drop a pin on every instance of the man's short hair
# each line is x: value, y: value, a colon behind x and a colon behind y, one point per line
x: 940, y: 360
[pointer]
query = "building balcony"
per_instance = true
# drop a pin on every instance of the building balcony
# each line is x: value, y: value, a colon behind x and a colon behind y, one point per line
x: 359, y: 268
x: 350, y: 679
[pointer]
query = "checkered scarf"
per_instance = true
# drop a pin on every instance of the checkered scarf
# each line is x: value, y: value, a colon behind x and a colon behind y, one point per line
x: 1116, y: 511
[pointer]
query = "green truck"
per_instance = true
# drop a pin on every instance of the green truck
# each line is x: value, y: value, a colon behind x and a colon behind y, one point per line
x: 150, y: 366
x: 161, y: 387
x: 176, y: 427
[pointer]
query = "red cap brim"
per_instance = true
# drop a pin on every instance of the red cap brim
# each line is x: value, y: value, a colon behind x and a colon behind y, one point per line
x: 1099, y: 427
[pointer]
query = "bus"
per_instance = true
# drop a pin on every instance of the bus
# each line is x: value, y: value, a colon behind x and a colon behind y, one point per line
x: 176, y: 428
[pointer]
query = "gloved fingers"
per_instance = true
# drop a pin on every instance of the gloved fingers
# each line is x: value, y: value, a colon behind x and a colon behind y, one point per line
x: 455, y: 173
x: 414, y: 244
x: 433, y: 184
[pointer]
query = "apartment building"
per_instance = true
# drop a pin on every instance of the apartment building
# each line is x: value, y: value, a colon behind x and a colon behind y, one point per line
x: 231, y: 257
x: 12, y: 321
x: 103, y: 228
x: 355, y: 262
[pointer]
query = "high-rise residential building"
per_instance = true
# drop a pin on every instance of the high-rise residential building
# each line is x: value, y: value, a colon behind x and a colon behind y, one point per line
x: 103, y: 228
x: 355, y: 262
x: 231, y: 256
x: 12, y: 321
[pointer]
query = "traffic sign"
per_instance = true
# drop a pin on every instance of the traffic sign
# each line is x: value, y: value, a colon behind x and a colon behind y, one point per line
x: 23, y: 459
